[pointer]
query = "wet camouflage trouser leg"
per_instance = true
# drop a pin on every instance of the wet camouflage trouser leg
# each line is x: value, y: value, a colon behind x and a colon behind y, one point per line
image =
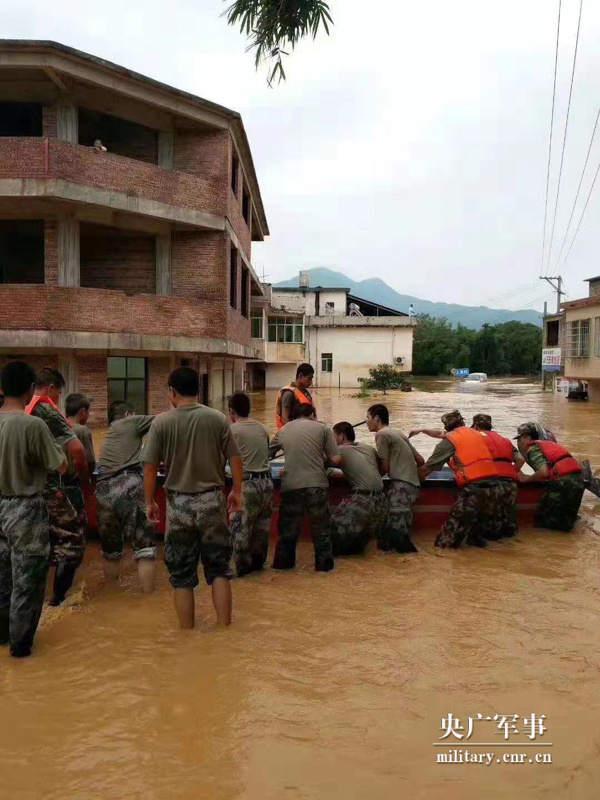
x: 350, y: 524
x: 251, y: 527
x: 24, y: 560
x: 395, y: 534
x: 197, y: 529
x: 66, y: 512
x: 122, y: 516
x: 559, y: 506
x: 294, y: 504
x: 501, y: 521
x: 475, y: 509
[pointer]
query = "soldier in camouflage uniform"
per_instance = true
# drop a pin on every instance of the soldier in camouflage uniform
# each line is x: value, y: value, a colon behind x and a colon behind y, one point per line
x: 476, y: 510
x: 400, y: 461
x: 194, y: 441
x: 251, y: 527
x: 120, y: 496
x: 64, y: 499
x: 27, y: 453
x: 559, y: 507
x: 308, y: 444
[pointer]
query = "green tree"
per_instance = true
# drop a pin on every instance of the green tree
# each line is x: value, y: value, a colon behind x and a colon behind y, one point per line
x: 274, y: 27
x: 383, y: 377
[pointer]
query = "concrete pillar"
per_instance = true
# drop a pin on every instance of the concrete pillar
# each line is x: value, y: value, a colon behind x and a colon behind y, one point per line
x: 67, y: 122
x: 239, y: 368
x: 67, y: 365
x: 163, y: 264
x: 166, y: 141
x: 68, y: 251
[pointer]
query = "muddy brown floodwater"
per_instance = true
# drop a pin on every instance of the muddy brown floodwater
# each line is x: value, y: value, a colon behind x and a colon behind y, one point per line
x: 329, y: 686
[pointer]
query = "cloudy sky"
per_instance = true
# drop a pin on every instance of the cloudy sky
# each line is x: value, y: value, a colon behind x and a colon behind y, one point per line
x: 411, y: 144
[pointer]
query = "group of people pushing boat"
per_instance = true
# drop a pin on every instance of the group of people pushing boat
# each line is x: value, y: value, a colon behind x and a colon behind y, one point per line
x: 47, y: 459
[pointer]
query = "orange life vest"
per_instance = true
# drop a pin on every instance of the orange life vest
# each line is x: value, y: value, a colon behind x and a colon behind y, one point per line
x: 560, y: 461
x: 299, y: 396
x: 501, y: 449
x: 41, y: 399
x: 473, y: 460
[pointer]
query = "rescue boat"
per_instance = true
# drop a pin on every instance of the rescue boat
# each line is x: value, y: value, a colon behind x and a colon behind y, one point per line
x: 437, y: 495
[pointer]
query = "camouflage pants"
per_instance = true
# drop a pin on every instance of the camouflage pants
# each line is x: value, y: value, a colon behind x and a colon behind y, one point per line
x: 66, y: 512
x: 197, y: 530
x: 251, y: 527
x: 559, y: 506
x: 475, y: 512
x: 503, y: 521
x: 354, y: 520
x: 24, y: 559
x: 122, y: 516
x: 395, y: 533
x: 294, y: 504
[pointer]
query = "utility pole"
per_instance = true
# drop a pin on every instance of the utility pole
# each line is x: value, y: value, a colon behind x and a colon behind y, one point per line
x: 556, y: 286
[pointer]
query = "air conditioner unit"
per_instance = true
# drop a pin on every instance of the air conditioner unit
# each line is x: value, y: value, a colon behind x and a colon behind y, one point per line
x: 399, y: 360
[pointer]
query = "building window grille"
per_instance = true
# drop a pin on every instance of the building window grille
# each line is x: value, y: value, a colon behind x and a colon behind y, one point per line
x: 597, y: 337
x: 257, y: 327
x: 578, y: 338
x: 127, y: 382
x: 285, y: 329
x: 329, y: 308
x: 326, y: 362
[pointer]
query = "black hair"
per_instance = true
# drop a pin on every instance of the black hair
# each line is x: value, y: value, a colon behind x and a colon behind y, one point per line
x: 381, y: 411
x: 17, y: 379
x: 305, y: 371
x: 240, y: 403
x: 75, y: 402
x: 303, y: 410
x: 118, y: 410
x: 48, y: 376
x: 185, y: 381
x: 345, y: 429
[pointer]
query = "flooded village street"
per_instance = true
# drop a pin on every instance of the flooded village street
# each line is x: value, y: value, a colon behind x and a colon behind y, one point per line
x: 328, y: 685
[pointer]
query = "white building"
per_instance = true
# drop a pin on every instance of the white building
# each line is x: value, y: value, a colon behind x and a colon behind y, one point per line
x: 341, y: 335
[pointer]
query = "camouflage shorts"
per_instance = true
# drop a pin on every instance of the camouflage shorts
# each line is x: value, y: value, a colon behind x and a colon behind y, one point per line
x: 197, y: 530
x: 122, y: 516
x: 503, y: 522
x: 354, y: 520
x: 24, y: 559
x: 251, y: 527
x: 66, y: 512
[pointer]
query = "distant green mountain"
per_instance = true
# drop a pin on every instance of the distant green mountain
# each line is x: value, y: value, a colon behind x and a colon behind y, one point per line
x: 379, y: 291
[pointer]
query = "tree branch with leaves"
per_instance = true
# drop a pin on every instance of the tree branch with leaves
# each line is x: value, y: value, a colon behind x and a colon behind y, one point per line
x: 275, y: 27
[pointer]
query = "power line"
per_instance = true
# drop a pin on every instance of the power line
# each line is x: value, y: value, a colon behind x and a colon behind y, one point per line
x: 582, y: 215
x: 562, y: 156
x: 587, y: 158
x: 550, y: 139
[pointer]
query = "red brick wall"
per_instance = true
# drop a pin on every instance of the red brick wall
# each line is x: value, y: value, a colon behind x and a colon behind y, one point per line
x: 110, y: 311
x: 49, y: 127
x: 26, y: 158
x: 37, y: 361
x: 200, y: 265
x: 50, y: 252
x: 204, y: 154
x: 110, y: 260
x: 91, y: 380
x: 234, y: 204
x: 158, y: 372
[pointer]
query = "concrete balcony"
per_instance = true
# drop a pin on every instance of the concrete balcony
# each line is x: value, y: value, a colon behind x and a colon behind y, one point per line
x: 283, y: 352
x: 341, y: 321
x: 71, y: 173
x: 33, y: 317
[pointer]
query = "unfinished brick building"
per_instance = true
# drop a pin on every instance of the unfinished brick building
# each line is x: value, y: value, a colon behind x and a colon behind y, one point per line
x: 127, y: 212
